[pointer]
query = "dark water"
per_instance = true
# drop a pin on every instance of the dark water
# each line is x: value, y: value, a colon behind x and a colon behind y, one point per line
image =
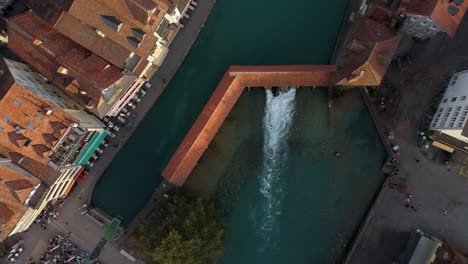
x: 317, y: 200
x: 239, y: 32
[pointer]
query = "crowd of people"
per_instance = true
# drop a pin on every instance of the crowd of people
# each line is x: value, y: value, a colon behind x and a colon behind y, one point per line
x: 61, y: 250
x: 49, y: 213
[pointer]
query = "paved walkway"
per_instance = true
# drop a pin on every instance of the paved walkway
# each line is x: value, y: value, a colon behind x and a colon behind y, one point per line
x: 85, y: 232
x: 435, y: 187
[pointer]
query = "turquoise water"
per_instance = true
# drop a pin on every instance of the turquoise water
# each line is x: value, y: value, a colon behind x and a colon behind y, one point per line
x: 318, y: 199
x: 239, y: 32
x: 307, y: 211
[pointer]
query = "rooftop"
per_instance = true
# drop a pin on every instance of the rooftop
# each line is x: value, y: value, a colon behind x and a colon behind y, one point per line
x: 27, y: 131
x: 76, y: 70
x: 446, y: 14
x: 368, y: 53
x: 16, y: 186
x: 104, y: 26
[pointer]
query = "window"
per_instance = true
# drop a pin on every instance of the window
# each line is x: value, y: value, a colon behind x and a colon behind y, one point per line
x: 454, y: 80
x: 133, y: 41
x: 6, y: 118
x: 140, y: 34
x: 445, y: 100
x: 453, y: 99
x: 112, y: 22
x: 434, y: 27
x: 410, y: 31
x: 424, y: 23
x: 17, y: 102
x: 38, y: 117
x: 31, y: 126
x: 419, y: 35
x: 463, y: 98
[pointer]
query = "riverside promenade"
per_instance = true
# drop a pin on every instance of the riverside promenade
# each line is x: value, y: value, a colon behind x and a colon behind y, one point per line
x: 86, y: 232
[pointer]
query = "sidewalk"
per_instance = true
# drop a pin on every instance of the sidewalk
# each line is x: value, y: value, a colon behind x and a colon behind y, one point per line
x: 437, y: 191
x: 85, y: 232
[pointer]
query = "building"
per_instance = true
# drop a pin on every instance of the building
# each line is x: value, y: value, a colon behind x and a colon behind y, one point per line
x: 44, y: 132
x: 426, y: 18
x: 89, y: 79
x: 425, y: 248
x: 451, y: 115
x: 19, y: 191
x: 368, y: 53
x: 120, y: 31
x: 166, y: 32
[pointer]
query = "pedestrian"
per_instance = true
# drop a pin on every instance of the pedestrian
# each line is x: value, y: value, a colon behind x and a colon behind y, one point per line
x: 417, y: 160
x: 445, y: 212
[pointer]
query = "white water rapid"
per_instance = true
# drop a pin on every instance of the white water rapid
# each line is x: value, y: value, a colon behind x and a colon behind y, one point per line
x: 277, y: 121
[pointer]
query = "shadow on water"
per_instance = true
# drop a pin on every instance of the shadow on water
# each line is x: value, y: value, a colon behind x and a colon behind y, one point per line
x: 318, y: 199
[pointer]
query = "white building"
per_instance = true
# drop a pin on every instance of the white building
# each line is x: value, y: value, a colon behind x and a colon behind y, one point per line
x: 451, y: 116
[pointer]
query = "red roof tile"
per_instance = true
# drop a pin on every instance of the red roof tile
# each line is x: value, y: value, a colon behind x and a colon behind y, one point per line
x: 368, y: 53
x: 84, y: 70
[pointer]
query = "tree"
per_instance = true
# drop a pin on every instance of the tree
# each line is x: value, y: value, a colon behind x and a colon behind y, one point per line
x: 182, y: 230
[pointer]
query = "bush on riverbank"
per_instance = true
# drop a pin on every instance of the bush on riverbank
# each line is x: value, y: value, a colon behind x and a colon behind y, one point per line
x: 182, y: 230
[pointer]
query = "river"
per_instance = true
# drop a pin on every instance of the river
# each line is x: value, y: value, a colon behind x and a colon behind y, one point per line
x: 242, y: 32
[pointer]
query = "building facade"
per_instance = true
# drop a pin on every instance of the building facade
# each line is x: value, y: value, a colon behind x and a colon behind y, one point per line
x: 90, y: 80
x: 426, y: 18
x: 120, y: 31
x: 19, y: 191
x: 451, y: 116
x: 44, y: 132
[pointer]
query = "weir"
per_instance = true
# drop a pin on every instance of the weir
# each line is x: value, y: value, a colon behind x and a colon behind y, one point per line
x: 223, y: 99
x: 277, y: 121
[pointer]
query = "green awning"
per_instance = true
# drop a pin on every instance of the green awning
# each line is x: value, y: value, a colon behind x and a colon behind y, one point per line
x: 89, y: 149
x: 110, y: 229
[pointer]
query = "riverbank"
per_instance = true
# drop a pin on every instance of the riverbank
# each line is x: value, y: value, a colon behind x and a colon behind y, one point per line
x: 435, y: 188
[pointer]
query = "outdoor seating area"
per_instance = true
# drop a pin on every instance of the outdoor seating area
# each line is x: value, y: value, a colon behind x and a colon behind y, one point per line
x: 61, y: 250
x: 115, y: 124
x: 15, y: 252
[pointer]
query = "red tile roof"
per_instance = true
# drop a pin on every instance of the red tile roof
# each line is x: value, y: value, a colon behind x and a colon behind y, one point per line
x: 25, y: 146
x: 79, y: 17
x: 368, y: 53
x: 86, y: 72
x: 437, y: 10
x: 15, y: 188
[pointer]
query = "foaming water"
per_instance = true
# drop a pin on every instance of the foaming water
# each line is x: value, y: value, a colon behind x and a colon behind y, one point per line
x: 277, y: 121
